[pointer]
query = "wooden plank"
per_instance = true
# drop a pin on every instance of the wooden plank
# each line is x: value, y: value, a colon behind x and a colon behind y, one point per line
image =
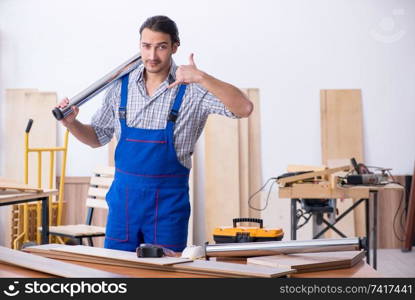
x: 341, y: 118
x: 8, y: 196
x: 50, y: 266
x: 49, y: 250
x: 192, y: 182
x: 234, y: 269
x: 322, y: 191
x: 96, y: 203
x: 342, y: 138
x: 119, y: 255
x: 299, y: 168
x: 232, y: 167
x: 254, y: 172
x: 20, y: 188
x: 78, y: 230
x: 75, y: 179
x: 97, y: 192
x: 19, y: 106
x: 199, y: 267
x: 222, y: 192
x: 130, y: 259
x: 295, y: 178
x: 10, y: 184
x: 310, y: 262
x: 103, y: 182
x: 244, y: 188
x: 100, y: 261
x: 360, y: 270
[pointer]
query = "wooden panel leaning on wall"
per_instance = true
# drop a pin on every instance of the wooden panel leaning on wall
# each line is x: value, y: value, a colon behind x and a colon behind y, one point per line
x: 342, y: 138
x: 232, y: 167
x: 19, y: 106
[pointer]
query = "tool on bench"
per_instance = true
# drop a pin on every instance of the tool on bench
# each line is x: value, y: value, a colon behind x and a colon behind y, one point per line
x: 312, y: 208
x: 284, y: 247
x: 152, y: 250
x: 98, y: 86
x: 149, y: 250
x: 237, y: 234
x: 365, y: 177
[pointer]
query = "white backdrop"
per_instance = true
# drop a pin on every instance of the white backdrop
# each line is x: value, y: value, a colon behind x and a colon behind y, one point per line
x: 288, y: 49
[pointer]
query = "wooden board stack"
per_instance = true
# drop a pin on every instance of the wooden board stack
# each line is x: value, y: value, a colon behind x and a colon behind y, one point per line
x: 9, y: 184
x: 50, y: 266
x: 171, y: 264
x: 310, y: 262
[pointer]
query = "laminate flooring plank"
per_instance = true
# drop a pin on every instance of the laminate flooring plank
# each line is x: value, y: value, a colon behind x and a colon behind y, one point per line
x: 310, y: 261
x: 50, y: 266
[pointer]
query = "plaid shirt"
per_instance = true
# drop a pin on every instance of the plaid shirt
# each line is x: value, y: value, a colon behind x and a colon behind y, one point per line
x: 152, y: 112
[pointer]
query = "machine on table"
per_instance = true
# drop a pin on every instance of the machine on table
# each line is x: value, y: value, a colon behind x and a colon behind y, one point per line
x: 317, y: 190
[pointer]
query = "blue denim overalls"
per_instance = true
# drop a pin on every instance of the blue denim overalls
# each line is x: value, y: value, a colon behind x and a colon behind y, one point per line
x: 149, y: 197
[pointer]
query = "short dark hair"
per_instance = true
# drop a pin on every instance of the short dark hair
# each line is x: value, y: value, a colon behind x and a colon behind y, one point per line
x: 162, y: 24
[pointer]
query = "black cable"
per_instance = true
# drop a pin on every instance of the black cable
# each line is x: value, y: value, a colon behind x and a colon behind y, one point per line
x: 401, y: 216
x: 300, y: 214
x: 260, y: 190
x: 402, y: 200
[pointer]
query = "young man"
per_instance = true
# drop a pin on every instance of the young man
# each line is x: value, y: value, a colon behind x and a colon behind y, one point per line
x: 157, y: 112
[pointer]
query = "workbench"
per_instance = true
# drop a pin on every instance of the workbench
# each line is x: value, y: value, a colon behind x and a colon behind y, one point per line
x: 360, y: 193
x: 9, y: 197
x: 361, y: 269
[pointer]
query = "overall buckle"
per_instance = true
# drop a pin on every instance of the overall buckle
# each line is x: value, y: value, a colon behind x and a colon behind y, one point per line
x: 122, y: 113
x: 173, y: 116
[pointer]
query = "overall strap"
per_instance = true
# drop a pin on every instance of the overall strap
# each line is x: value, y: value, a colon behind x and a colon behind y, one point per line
x: 177, y: 103
x: 122, y: 110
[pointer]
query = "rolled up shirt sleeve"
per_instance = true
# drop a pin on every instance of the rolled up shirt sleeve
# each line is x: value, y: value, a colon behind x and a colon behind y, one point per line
x: 103, y: 121
x: 212, y: 105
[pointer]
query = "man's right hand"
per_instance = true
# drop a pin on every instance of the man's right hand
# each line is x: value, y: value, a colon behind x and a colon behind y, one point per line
x: 84, y: 133
x: 71, y: 118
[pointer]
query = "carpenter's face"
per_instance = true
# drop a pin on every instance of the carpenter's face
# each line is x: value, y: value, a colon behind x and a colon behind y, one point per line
x: 156, y: 50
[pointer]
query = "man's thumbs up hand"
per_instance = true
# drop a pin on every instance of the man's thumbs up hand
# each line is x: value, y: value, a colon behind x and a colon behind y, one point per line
x: 186, y: 74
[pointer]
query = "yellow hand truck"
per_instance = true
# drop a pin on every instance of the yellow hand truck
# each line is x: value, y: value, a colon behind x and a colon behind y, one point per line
x: 23, y: 231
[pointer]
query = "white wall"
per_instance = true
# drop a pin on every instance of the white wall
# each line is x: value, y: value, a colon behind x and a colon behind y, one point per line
x: 288, y: 49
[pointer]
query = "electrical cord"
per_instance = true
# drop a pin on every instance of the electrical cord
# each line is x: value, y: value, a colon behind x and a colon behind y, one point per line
x: 399, y: 238
x: 307, y: 216
x: 260, y: 190
x: 301, y: 214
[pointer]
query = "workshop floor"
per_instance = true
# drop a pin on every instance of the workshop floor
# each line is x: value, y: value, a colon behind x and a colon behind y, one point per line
x: 395, y: 263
